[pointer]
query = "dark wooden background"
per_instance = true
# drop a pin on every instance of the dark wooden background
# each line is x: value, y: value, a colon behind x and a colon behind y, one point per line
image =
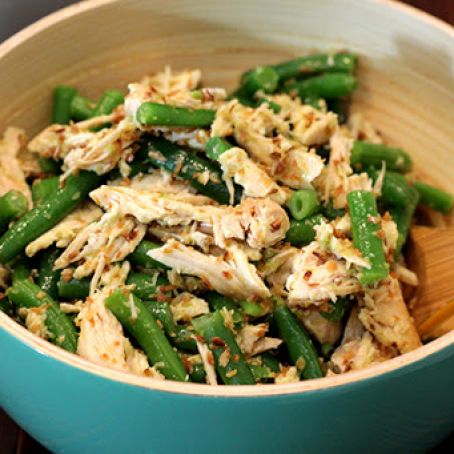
x: 13, y: 440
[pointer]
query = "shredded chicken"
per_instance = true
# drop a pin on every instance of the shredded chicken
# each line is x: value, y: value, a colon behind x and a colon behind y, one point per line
x: 12, y: 174
x: 261, y: 222
x: 236, y: 164
x: 358, y: 354
x: 231, y: 275
x: 318, y: 277
x: 338, y: 179
x: 285, y: 159
x: 101, y: 243
x: 252, y: 339
x: 362, y: 129
x: 386, y: 316
x: 187, y: 306
x: 66, y: 230
x: 325, y: 331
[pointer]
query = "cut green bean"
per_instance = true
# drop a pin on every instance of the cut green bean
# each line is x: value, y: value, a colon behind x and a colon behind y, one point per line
x: 327, y: 86
x: 82, y: 108
x: 180, y: 336
x: 337, y: 309
x: 26, y: 294
x: 301, y: 350
x: 263, y: 78
x: 140, y: 255
x: 107, y: 103
x: 152, y: 113
x: 434, y: 198
x: 253, y: 308
x: 48, y: 277
x: 42, y: 189
x: 395, y: 188
x: 365, y: 154
x: 340, y: 107
x: 302, y: 233
x: 312, y: 64
x: 197, y: 374
x: 73, y: 289
x: 365, y: 222
x: 303, y: 203
x: 249, y: 101
x: 231, y: 367
x: 21, y: 270
x: 216, y: 146
x: 189, y: 166
x: 49, y: 166
x: 403, y: 217
x: 147, y: 287
x: 217, y: 302
x: 43, y: 217
x: 63, y: 96
x: 141, y: 324
x: 13, y: 204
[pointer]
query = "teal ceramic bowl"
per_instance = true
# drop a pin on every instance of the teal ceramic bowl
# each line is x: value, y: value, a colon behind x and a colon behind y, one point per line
x: 407, y: 61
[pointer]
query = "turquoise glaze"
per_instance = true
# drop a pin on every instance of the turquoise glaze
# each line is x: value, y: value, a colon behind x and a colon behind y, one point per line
x: 73, y: 411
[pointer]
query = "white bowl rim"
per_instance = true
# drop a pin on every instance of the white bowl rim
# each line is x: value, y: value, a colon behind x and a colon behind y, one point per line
x: 56, y: 353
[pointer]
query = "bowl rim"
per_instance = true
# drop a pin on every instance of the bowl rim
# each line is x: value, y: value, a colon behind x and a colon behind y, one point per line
x: 53, y: 352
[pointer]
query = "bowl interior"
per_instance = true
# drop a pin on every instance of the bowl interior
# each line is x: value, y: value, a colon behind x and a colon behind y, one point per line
x: 406, y: 59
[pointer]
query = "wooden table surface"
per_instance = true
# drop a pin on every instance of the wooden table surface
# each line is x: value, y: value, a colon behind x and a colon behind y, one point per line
x: 14, y: 440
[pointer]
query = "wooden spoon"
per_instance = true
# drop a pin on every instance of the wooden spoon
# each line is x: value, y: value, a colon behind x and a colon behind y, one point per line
x: 431, y: 256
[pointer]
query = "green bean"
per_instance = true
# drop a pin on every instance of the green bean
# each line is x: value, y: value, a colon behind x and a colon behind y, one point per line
x: 107, y: 103
x: 48, y: 277
x: 183, y: 339
x: 434, y: 198
x: 365, y: 154
x: 303, y: 203
x: 270, y: 361
x: 63, y: 96
x: 81, y: 108
x: 197, y: 374
x: 180, y: 336
x: 73, y: 289
x: 403, y: 217
x: 13, y: 204
x: 216, y: 146
x: 262, y: 78
x: 140, y: 255
x: 337, y: 310
x: 141, y: 324
x: 21, y: 270
x: 365, y: 226
x: 217, y: 302
x: 162, y: 313
x: 301, y: 350
x: 42, y: 189
x: 330, y: 212
x: 313, y: 100
x: 26, y: 294
x: 248, y: 101
x: 328, y: 86
x: 302, y: 233
x: 49, y: 166
x: 340, y: 107
x: 232, y: 367
x: 152, y: 113
x: 261, y: 373
x: 395, y: 189
x: 189, y: 166
x: 43, y: 217
x: 6, y: 307
x: 253, y: 308
x: 312, y: 64
x: 147, y: 287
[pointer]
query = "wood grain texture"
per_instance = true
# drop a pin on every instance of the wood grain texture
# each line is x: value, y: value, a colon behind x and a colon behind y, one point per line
x: 11, y: 442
